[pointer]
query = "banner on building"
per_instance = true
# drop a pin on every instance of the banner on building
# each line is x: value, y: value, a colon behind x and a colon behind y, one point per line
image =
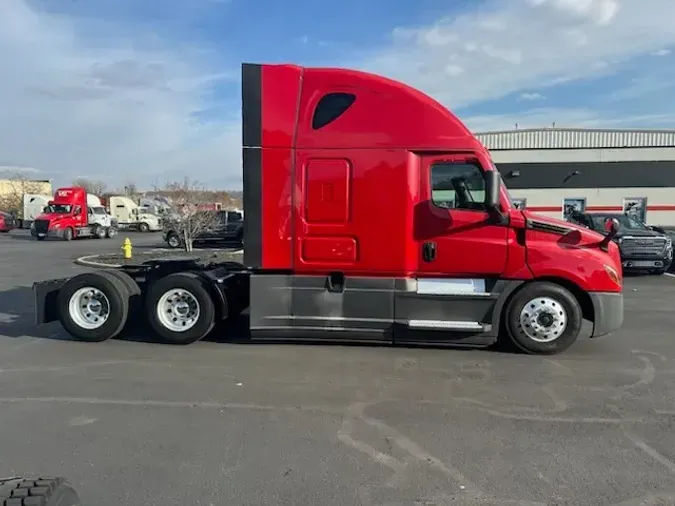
x: 520, y: 204
x: 573, y: 205
x: 636, y: 207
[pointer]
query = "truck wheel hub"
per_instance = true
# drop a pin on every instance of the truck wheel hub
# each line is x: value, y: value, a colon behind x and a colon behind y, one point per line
x: 543, y: 319
x: 178, y: 310
x: 89, y: 308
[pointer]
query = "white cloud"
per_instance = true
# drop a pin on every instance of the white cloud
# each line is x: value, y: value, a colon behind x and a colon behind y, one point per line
x: 117, y: 108
x: 507, y: 46
x: 661, y: 52
x: 531, y: 96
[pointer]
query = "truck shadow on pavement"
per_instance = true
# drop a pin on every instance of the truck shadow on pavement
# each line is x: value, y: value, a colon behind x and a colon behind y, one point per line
x: 17, y: 316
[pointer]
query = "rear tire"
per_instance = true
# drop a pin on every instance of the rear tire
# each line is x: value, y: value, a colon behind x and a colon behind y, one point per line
x: 180, y: 308
x: 543, y: 318
x: 111, y: 301
x: 110, y: 232
x: 99, y: 232
x: 37, y: 492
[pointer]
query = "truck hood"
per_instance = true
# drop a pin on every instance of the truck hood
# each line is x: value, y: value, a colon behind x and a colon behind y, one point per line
x: 562, y: 227
x: 51, y: 216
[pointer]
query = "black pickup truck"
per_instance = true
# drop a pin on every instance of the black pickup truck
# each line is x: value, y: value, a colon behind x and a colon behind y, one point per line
x: 642, y: 247
x: 229, y: 229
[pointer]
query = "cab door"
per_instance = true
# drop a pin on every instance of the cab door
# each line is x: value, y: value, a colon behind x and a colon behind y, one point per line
x: 455, y: 234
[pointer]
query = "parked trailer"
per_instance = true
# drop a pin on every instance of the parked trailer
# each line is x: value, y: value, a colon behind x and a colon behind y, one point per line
x: 365, y: 228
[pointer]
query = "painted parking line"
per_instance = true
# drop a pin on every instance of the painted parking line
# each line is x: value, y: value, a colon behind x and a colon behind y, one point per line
x: 669, y: 274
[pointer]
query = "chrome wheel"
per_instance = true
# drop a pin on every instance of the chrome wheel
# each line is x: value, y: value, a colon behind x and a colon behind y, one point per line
x: 173, y: 241
x: 178, y: 310
x: 543, y: 319
x: 89, y: 308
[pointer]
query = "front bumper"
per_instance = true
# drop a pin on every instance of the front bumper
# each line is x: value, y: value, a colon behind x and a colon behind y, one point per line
x: 643, y: 263
x: 52, y: 233
x: 608, y: 311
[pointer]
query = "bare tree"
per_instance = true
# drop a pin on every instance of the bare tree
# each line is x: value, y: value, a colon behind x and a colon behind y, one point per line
x: 190, y: 220
x: 92, y: 186
x: 18, y: 184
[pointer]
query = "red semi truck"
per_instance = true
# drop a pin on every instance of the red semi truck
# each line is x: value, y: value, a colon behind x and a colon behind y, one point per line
x: 72, y: 214
x: 372, y: 214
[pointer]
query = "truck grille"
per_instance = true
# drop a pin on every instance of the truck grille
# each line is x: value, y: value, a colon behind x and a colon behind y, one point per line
x: 41, y: 226
x: 643, y: 246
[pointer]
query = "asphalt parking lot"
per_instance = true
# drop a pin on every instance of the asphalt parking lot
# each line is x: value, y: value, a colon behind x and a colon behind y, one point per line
x: 137, y: 423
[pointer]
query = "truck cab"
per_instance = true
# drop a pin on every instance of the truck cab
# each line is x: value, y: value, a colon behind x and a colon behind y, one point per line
x: 131, y: 216
x: 382, y: 220
x: 71, y: 214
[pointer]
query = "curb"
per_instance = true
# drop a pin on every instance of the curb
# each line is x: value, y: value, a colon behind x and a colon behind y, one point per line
x: 86, y: 261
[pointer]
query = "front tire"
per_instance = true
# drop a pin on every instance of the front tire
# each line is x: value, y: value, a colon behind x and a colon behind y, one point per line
x: 543, y: 318
x: 143, y: 227
x: 68, y: 234
x: 180, y: 308
x: 38, y: 492
x: 173, y: 241
x: 94, y: 306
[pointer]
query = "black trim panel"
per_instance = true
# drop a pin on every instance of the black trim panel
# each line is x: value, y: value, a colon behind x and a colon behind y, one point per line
x: 251, y: 105
x: 631, y: 174
x: 251, y: 121
x: 253, y: 202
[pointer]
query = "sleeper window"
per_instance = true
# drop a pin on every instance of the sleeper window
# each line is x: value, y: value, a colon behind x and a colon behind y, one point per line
x: 457, y: 186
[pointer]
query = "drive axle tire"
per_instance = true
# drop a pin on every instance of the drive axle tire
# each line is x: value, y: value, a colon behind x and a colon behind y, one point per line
x: 180, y: 308
x: 37, y: 492
x: 543, y: 318
x: 99, y: 232
x: 110, y: 232
x: 94, y: 306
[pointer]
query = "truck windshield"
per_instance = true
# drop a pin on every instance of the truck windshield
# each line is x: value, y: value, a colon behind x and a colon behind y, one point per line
x: 58, y: 208
x: 98, y: 210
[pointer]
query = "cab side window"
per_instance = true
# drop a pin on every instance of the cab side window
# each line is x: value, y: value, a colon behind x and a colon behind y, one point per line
x: 457, y: 186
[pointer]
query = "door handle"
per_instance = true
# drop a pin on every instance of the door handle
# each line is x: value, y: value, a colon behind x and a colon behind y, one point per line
x: 429, y: 251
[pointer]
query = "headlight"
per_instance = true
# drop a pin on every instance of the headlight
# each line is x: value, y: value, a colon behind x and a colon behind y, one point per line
x: 669, y: 242
x: 611, y: 272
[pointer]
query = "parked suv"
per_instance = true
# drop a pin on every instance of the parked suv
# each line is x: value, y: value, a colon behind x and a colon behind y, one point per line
x: 229, y: 229
x: 642, y: 247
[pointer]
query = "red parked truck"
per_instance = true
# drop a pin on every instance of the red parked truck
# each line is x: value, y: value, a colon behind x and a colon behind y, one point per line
x: 372, y: 214
x: 71, y: 214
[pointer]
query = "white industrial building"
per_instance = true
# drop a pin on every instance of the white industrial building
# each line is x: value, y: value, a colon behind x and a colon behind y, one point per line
x: 550, y: 169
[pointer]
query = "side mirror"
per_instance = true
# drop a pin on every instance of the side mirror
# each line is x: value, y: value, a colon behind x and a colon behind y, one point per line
x: 493, y: 184
x: 612, y: 226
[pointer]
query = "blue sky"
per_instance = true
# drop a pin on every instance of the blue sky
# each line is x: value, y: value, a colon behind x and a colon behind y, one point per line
x: 147, y: 91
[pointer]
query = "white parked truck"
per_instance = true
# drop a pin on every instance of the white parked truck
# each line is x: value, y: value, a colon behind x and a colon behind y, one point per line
x: 33, y: 206
x: 131, y: 216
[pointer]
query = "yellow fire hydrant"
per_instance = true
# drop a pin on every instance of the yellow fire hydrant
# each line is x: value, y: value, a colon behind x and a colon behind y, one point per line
x: 126, y: 247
